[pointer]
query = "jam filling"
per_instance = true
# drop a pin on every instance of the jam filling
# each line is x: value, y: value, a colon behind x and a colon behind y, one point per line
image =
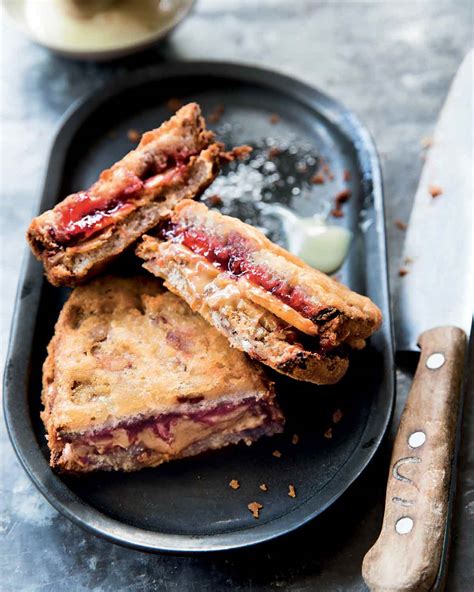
x: 232, y: 253
x: 86, y: 214
x: 162, y: 425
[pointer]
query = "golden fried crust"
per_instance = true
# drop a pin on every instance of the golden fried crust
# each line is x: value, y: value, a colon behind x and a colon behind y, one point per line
x: 125, y: 347
x: 183, y: 136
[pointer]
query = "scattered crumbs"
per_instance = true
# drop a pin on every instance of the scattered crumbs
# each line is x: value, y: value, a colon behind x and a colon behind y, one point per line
x: 274, y: 118
x: 263, y: 487
x: 337, y: 213
x: 234, y: 484
x: 133, y: 135
x: 255, y: 508
x: 435, y: 190
x: 346, y: 175
x: 216, y: 114
x: 328, y: 434
x: 276, y: 454
x: 402, y: 271
x: 291, y: 490
x: 342, y: 197
x: 174, y: 104
x: 426, y: 142
x: 214, y: 200
x: 295, y: 439
x: 274, y: 152
x: 337, y: 416
x: 400, y: 224
x: 317, y: 179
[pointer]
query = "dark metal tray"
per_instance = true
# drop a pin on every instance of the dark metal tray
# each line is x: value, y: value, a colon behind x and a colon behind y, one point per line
x: 188, y: 505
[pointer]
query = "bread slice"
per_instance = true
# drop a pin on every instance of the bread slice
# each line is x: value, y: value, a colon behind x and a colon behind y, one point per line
x: 134, y: 378
x: 266, y: 301
x: 88, y: 229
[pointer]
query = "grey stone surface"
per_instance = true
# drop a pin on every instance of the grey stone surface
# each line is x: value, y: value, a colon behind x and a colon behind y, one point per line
x: 392, y: 62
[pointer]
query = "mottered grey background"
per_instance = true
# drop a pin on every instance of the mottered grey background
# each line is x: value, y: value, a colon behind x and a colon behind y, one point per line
x: 392, y: 63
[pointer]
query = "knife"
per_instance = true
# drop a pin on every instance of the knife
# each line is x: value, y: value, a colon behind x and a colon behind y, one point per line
x: 433, y: 310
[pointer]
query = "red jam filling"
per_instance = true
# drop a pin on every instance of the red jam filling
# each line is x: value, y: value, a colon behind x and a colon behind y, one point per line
x: 232, y: 253
x: 86, y: 214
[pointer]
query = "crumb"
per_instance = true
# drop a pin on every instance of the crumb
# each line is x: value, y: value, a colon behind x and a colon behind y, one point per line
x: 426, y: 142
x: 234, y: 484
x: 215, y: 200
x: 216, y: 114
x: 291, y: 490
x: 337, y: 213
x: 317, y: 179
x: 402, y: 271
x: 273, y: 152
x: 174, y: 104
x: 274, y: 118
x: 408, y: 260
x: 263, y: 487
x: 328, y: 434
x: 341, y: 197
x: 255, y: 508
x: 133, y: 135
x: 276, y: 454
x: 400, y: 224
x: 295, y: 439
x: 337, y: 416
x: 328, y: 172
x: 435, y: 190
x: 346, y: 175
x: 239, y: 153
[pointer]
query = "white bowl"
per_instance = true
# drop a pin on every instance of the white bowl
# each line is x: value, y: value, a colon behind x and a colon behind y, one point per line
x: 100, y: 38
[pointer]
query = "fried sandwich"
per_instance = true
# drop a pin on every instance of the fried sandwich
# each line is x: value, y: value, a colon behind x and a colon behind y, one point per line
x: 80, y: 235
x: 134, y: 378
x: 267, y: 302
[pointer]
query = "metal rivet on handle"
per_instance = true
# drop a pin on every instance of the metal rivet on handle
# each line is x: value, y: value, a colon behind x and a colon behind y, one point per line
x: 416, y: 439
x: 404, y: 525
x: 435, y: 361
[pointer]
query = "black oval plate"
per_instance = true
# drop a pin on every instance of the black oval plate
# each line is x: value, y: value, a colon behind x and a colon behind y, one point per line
x: 188, y: 505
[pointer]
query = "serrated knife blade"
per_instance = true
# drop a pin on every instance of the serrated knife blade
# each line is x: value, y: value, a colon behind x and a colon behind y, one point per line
x: 438, y: 288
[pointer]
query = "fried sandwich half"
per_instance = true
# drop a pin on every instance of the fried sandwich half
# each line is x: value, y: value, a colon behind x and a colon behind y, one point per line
x: 134, y: 378
x: 80, y: 235
x: 267, y: 302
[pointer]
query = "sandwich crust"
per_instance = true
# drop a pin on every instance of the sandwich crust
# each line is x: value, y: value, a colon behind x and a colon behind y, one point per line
x: 125, y: 350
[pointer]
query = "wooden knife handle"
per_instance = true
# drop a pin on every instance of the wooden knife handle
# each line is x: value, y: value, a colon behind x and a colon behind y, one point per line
x: 407, y: 553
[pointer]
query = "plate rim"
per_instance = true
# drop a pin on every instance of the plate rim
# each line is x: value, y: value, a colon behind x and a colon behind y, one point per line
x: 31, y: 281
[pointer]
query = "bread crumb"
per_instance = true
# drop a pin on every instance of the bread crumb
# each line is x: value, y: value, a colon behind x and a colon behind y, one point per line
x: 341, y: 197
x: 328, y: 172
x: 291, y: 490
x: 263, y: 487
x: 133, y: 135
x: 402, y: 271
x: 435, y: 190
x: 255, y: 508
x: 337, y: 213
x: 426, y: 142
x: 346, y: 175
x: 234, y: 484
x: 276, y: 454
x: 216, y: 114
x: 174, y: 104
x: 295, y: 439
x: 215, y: 200
x: 328, y: 434
x: 337, y: 416
x: 317, y: 179
x: 400, y: 224
x: 273, y: 152
x: 408, y: 260
x: 274, y: 118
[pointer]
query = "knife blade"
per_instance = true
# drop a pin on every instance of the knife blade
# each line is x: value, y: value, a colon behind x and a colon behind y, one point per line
x: 433, y: 314
x: 438, y: 256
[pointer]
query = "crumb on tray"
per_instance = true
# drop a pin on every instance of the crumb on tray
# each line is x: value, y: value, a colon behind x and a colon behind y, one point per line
x: 435, y: 190
x: 263, y: 487
x: 274, y: 118
x: 234, y: 484
x: 291, y: 490
x: 400, y: 224
x: 317, y: 179
x: 276, y: 454
x: 255, y: 508
x: 133, y: 135
x: 295, y: 439
x: 328, y: 434
x: 337, y: 416
x: 402, y: 271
